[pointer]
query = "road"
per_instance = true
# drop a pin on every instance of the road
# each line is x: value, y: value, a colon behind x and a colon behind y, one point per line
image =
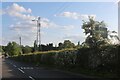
x: 18, y: 70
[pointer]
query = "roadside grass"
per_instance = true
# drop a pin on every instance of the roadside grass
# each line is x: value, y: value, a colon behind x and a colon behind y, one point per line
x: 47, y: 52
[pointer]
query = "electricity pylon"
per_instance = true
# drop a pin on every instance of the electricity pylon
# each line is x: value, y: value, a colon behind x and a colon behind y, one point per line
x: 38, y: 38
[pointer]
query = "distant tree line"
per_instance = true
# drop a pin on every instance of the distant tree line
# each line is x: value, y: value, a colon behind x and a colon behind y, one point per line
x: 50, y: 46
x: 13, y: 48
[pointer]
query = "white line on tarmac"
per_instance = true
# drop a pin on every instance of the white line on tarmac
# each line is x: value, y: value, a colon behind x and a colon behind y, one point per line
x: 14, y: 65
x: 21, y: 70
x: 31, y: 78
x: 21, y: 67
x: 26, y: 68
x: 9, y: 70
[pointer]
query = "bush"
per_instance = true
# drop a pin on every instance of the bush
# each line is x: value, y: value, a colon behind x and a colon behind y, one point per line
x: 82, y: 57
x: 105, y: 59
x: 48, y: 59
x: 66, y: 59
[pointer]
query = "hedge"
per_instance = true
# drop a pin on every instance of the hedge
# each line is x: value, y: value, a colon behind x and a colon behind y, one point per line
x: 105, y: 59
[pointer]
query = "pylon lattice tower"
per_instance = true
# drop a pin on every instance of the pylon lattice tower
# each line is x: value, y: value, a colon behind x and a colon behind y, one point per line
x: 38, y: 37
x: 38, y: 33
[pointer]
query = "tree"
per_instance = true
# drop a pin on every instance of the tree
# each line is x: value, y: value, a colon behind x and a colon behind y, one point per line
x: 60, y: 45
x: 95, y: 36
x: 114, y: 39
x: 78, y: 45
x: 8, y: 49
x: 1, y: 50
x: 16, y: 50
x: 68, y: 44
x: 12, y: 49
x: 50, y: 46
x: 35, y: 46
x: 27, y: 49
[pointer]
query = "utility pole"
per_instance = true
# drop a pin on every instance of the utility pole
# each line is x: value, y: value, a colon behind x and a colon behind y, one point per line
x: 20, y: 45
x: 38, y: 38
x: 20, y: 40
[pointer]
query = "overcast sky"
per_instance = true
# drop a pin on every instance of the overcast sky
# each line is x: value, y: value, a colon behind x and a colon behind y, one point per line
x: 59, y: 20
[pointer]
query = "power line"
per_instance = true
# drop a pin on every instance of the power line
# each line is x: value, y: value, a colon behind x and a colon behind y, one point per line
x: 60, y: 9
x: 38, y: 37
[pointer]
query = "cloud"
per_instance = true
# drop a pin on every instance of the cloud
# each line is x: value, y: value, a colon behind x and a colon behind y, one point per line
x: 18, y: 11
x: 75, y: 15
x: 23, y: 14
x: 17, y: 8
x: 24, y: 26
x: 31, y: 26
x: 2, y: 12
x: 75, y: 38
x: 67, y: 27
x: 117, y: 1
x: 25, y: 18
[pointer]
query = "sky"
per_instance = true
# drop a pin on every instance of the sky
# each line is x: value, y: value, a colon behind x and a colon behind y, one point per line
x: 119, y: 19
x: 59, y: 20
x: 60, y: 0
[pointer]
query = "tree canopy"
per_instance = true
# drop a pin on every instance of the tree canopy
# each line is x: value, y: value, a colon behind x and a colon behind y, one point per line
x: 12, y: 49
x: 96, y: 32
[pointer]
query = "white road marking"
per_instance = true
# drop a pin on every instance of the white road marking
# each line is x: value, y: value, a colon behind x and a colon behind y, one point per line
x: 9, y: 70
x: 21, y: 67
x: 14, y: 65
x: 26, y: 67
x: 31, y: 78
x: 21, y: 70
x: 29, y: 67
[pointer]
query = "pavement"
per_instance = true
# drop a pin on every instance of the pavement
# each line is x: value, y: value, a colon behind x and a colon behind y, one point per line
x: 17, y: 70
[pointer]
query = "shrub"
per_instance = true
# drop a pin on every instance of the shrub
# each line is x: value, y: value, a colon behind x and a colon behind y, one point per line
x: 104, y: 59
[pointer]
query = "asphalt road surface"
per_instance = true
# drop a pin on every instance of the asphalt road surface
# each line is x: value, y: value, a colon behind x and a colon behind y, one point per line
x: 19, y: 71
